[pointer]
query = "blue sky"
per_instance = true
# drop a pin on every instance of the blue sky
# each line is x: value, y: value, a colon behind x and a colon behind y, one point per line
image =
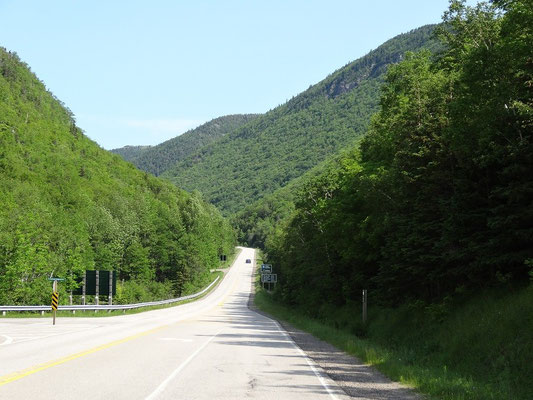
x: 141, y: 72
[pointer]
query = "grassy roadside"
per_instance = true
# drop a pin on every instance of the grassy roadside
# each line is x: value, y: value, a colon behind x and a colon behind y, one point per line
x: 194, y: 288
x: 483, y: 349
x: 104, y: 313
x: 231, y: 259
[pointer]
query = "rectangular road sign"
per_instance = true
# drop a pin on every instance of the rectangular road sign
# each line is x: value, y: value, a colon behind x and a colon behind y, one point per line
x: 269, y: 278
x: 266, y: 267
x: 103, y: 283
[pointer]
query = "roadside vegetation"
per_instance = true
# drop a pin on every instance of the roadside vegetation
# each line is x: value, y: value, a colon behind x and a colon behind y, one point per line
x: 480, y: 348
x: 67, y: 206
x: 111, y: 313
x: 432, y: 213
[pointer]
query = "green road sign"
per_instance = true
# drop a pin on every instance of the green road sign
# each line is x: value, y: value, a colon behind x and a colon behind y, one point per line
x: 90, y: 283
x: 103, y: 283
x: 266, y: 267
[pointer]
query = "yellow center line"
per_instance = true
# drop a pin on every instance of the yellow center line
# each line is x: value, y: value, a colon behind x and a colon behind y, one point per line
x: 40, y: 367
x: 228, y: 294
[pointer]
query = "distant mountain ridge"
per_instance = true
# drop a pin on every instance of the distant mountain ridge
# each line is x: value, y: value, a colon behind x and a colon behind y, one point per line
x: 157, y: 159
x: 281, y: 145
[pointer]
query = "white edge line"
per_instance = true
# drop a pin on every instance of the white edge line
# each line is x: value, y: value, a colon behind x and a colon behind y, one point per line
x: 314, y: 367
x: 164, y: 384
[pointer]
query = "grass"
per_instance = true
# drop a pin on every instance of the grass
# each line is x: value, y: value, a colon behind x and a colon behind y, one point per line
x: 476, y: 348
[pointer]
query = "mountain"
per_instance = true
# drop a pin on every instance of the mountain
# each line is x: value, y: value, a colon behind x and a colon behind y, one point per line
x: 281, y: 145
x: 158, y: 159
x: 129, y: 153
x: 67, y: 205
x: 258, y: 221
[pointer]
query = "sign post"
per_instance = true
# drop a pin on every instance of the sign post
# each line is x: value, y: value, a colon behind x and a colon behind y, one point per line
x: 55, y: 297
x: 97, y: 295
x: 84, y: 288
x: 365, y: 303
x: 110, y: 295
x: 269, y: 278
x: 265, y: 269
x: 55, y: 300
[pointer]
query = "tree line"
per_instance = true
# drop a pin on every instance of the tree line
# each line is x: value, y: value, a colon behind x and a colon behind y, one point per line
x: 438, y: 198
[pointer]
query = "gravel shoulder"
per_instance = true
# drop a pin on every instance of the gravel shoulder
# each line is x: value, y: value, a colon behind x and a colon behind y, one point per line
x: 356, y: 379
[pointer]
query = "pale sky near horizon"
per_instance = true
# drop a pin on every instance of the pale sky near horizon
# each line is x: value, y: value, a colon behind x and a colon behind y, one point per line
x: 141, y: 72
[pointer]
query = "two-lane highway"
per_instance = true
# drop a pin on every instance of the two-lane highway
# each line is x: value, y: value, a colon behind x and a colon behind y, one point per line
x: 214, y: 348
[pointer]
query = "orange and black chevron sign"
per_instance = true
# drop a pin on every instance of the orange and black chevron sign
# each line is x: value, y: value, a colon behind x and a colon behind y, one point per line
x: 55, y: 298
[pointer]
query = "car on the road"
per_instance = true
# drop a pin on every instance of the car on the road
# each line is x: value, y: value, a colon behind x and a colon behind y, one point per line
x: 248, y: 261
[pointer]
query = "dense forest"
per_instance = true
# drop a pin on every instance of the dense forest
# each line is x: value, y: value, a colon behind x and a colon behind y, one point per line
x: 268, y: 152
x: 129, y: 153
x: 157, y: 159
x: 66, y: 205
x: 438, y: 198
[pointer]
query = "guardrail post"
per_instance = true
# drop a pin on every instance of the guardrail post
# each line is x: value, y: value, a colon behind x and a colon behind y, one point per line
x: 3, y: 313
x: 42, y: 312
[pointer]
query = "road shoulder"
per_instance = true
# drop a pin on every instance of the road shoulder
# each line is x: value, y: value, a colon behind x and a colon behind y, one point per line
x: 356, y: 379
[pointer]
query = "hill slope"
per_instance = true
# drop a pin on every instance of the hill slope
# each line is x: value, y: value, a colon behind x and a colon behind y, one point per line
x: 129, y: 153
x: 282, y: 144
x: 67, y: 205
x: 158, y: 159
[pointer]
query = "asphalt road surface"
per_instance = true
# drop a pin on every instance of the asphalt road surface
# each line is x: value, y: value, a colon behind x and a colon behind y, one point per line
x: 214, y: 348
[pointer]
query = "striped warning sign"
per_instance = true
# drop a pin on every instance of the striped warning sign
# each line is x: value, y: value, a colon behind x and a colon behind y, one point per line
x: 55, y: 299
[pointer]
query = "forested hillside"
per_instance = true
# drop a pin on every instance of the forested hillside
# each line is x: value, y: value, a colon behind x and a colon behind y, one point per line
x: 259, y: 220
x: 432, y: 214
x: 157, y: 159
x: 281, y: 145
x: 129, y: 153
x: 439, y: 198
x: 67, y: 205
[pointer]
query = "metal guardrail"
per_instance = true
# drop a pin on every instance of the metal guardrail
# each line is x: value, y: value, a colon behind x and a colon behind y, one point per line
x: 94, y: 307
